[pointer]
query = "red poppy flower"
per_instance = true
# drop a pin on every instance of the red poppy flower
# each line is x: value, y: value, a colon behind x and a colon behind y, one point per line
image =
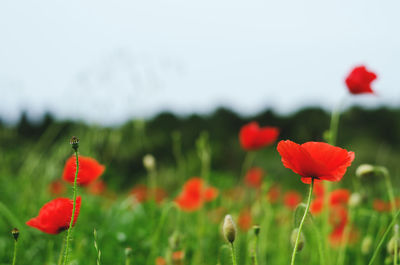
x: 96, y: 188
x: 210, y: 194
x: 161, y: 261
x: 55, y: 216
x: 245, y: 220
x: 317, y: 205
x: 254, y: 177
x: 178, y: 255
x: 194, y: 195
x: 57, y: 188
x: 291, y: 199
x: 315, y: 160
x: 381, y: 206
x: 319, y: 189
x: 191, y: 198
x: 252, y: 137
x: 339, y: 197
x: 274, y: 193
x: 89, y: 170
x: 142, y: 193
x: 359, y: 80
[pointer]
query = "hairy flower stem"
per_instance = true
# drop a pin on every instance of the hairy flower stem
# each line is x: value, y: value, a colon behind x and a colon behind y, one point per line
x: 73, y: 209
x: 233, y: 254
x: 302, y: 222
x: 255, y: 251
x: 376, y: 252
x: 15, y: 252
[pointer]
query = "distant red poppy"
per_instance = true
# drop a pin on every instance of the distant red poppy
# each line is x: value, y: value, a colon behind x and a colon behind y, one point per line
x: 254, y: 177
x: 210, y: 194
x: 252, y: 137
x: 194, y: 194
x: 142, y: 193
x: 57, y: 188
x: 359, y: 80
x: 339, y: 197
x: 161, y: 261
x: 291, y: 199
x: 339, y: 220
x: 89, y: 170
x: 274, y: 193
x: 245, y: 220
x: 319, y: 189
x: 55, y: 216
x: 97, y: 187
x: 178, y: 255
x: 317, y: 205
x: 381, y: 206
x: 317, y: 160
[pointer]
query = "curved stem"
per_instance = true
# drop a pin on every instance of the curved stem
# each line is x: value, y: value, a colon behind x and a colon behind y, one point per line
x: 73, y: 209
x: 383, y: 238
x: 302, y: 222
x: 15, y: 252
x: 233, y: 254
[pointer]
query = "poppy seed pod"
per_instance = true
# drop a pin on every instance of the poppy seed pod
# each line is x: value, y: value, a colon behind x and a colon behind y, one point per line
x: 256, y: 229
x: 15, y: 233
x: 75, y: 143
x: 229, y: 228
x: 293, y: 237
x: 366, y: 244
x: 365, y: 170
x: 149, y: 162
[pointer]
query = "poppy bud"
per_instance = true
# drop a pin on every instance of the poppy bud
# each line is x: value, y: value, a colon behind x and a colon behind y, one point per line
x: 128, y: 251
x: 293, y: 237
x: 365, y: 170
x: 174, y: 240
x: 15, y: 233
x: 149, y: 162
x: 229, y: 228
x: 74, y: 142
x: 391, y: 245
x: 355, y: 199
x: 366, y: 244
x: 256, y: 229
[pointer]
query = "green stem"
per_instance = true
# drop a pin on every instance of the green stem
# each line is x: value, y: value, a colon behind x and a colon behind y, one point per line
x: 255, y: 252
x: 73, y: 209
x: 302, y: 222
x: 15, y: 252
x: 60, y: 257
x: 233, y: 254
x: 383, y: 238
x: 396, y: 238
x: 347, y: 229
x: 248, y: 161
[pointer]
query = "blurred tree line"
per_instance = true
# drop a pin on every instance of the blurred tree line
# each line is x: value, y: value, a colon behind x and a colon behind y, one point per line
x: 373, y: 133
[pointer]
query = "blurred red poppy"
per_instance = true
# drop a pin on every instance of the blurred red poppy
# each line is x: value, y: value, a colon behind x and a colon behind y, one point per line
x: 291, y: 199
x: 381, y: 206
x: 252, y: 137
x: 57, y: 188
x: 161, y: 261
x: 55, y: 216
x: 142, y: 193
x: 317, y: 205
x: 254, y: 177
x: 194, y: 194
x: 317, y: 160
x: 274, y: 193
x: 96, y: 188
x: 339, y: 197
x: 245, y: 220
x: 319, y: 189
x: 89, y: 170
x: 210, y: 194
x: 359, y: 80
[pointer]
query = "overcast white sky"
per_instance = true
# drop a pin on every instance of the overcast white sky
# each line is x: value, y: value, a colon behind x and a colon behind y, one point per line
x: 107, y: 61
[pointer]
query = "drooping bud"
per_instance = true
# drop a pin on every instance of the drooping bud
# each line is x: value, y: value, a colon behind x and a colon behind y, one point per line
x: 355, y: 199
x: 293, y: 238
x: 365, y: 170
x: 391, y: 245
x: 366, y: 244
x: 256, y: 229
x: 174, y: 241
x: 128, y: 252
x: 75, y: 143
x: 229, y: 228
x: 15, y: 233
x: 149, y: 162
